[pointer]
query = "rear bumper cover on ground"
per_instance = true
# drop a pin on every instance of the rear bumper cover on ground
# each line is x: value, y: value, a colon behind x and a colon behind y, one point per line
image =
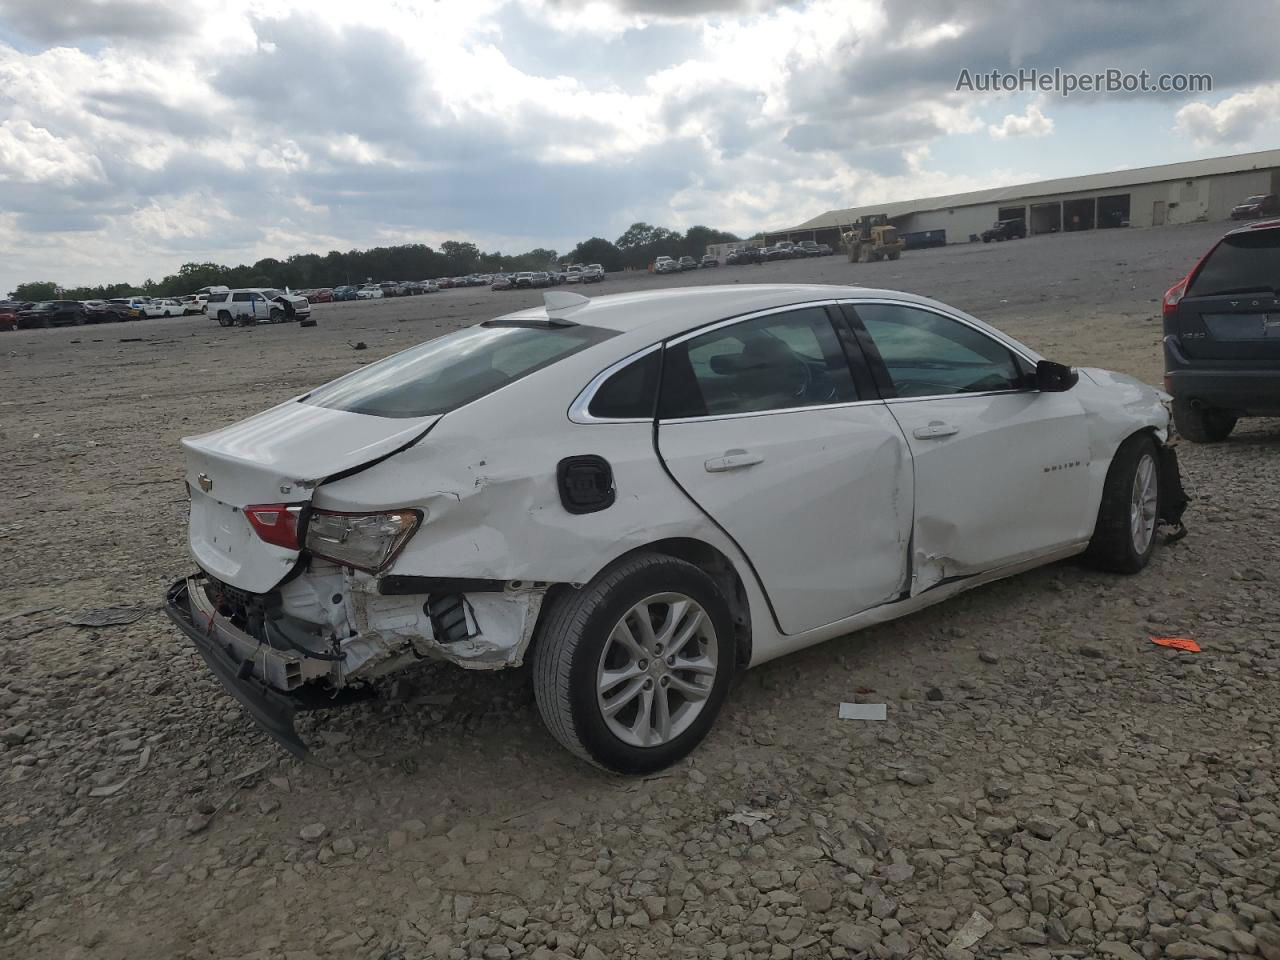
x: 230, y: 654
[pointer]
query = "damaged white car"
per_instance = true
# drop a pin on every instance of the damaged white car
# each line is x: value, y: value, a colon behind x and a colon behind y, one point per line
x: 643, y: 493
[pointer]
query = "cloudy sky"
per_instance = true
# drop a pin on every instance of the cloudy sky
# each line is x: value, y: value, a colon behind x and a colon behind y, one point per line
x: 136, y: 135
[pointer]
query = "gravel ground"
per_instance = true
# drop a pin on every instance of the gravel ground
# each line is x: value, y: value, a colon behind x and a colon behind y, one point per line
x: 1048, y: 783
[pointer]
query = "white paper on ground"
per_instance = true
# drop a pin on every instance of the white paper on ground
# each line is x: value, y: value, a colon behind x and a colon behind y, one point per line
x: 863, y: 711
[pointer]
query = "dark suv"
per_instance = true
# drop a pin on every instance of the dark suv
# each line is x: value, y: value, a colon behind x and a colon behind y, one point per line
x: 1222, y: 335
x: 1005, y: 230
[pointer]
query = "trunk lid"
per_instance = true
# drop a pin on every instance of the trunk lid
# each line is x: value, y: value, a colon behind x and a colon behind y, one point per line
x: 277, y: 456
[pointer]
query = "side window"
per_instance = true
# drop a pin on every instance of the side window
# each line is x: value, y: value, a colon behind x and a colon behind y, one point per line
x: 217, y: 298
x: 629, y: 393
x: 240, y: 297
x: 775, y: 362
x: 929, y: 355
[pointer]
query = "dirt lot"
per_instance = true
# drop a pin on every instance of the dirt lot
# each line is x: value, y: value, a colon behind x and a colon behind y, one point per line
x: 1043, y: 764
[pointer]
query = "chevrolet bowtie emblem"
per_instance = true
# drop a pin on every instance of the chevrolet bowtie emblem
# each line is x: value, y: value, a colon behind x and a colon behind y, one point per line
x: 205, y: 483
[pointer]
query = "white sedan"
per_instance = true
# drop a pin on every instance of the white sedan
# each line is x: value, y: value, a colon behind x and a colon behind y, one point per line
x: 644, y: 493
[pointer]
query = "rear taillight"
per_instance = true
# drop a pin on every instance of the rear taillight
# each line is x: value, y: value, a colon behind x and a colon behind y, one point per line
x: 275, y: 523
x: 366, y: 541
x: 1173, y: 296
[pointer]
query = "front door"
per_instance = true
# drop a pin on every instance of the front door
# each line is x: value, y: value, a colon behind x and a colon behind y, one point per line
x: 1001, y: 470
x: 762, y: 425
x: 1157, y: 213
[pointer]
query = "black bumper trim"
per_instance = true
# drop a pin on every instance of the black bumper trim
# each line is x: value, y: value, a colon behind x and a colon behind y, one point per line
x: 273, y: 710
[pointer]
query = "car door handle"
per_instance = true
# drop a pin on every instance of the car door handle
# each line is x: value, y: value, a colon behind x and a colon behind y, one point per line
x: 935, y: 430
x: 732, y: 460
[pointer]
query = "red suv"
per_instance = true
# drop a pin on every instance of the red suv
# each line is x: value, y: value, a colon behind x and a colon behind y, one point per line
x: 1222, y: 335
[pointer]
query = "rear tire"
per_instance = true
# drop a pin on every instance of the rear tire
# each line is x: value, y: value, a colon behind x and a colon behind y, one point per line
x: 224, y: 318
x: 1202, y: 425
x: 1125, y: 535
x: 608, y: 628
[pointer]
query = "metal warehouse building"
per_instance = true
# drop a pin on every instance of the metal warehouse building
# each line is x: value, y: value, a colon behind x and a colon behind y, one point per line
x: 1144, y: 197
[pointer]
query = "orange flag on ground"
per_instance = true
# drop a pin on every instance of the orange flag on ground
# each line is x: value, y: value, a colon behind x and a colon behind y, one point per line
x: 1177, y: 643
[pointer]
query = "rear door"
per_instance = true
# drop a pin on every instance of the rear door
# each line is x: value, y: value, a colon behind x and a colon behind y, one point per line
x: 764, y: 425
x: 1231, y: 312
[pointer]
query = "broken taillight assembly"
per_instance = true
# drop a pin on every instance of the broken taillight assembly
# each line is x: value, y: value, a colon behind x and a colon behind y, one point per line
x: 1173, y: 296
x: 365, y: 541
x: 275, y: 523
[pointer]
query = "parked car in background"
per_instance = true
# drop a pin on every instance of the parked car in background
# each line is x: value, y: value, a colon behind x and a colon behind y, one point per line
x: 9, y: 314
x: 573, y: 275
x: 593, y: 273
x: 54, y: 313
x: 343, y: 293
x: 1011, y: 229
x: 745, y: 255
x: 810, y: 461
x: 541, y: 279
x: 825, y: 250
x: 665, y: 265
x: 503, y: 281
x: 321, y: 295
x: 688, y: 263
x: 429, y: 286
x: 102, y: 311
x: 370, y: 291
x: 708, y: 260
x: 190, y: 304
x: 598, y: 268
x: 163, y: 308
x: 250, y: 305
x: 808, y: 248
x: 1222, y: 335
x: 1262, y: 205
x: 131, y: 307
x: 782, y: 250
x: 524, y: 279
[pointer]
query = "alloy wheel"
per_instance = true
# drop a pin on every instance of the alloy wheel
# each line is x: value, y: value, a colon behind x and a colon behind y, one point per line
x: 657, y: 669
x: 1142, y: 504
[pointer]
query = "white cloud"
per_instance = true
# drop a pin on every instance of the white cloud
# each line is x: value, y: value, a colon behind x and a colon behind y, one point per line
x: 1031, y: 123
x: 1236, y: 119
x: 31, y: 154
x: 132, y: 140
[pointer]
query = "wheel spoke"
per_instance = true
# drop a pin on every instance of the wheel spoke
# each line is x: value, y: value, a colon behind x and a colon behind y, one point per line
x: 690, y: 630
x: 642, y: 726
x: 611, y: 707
x: 642, y: 631
x: 675, y: 613
x: 609, y: 679
x: 623, y: 636
x: 690, y: 691
x: 662, y: 715
x: 700, y: 665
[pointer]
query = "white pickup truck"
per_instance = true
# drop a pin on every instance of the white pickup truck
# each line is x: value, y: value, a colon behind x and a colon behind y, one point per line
x: 251, y: 305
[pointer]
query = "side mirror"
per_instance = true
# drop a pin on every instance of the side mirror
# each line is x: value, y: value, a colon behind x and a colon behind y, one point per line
x: 1055, y: 377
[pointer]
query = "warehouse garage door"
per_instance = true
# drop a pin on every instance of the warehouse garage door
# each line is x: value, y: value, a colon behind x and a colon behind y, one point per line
x: 1046, y: 217
x: 1113, y: 211
x: 1078, y: 214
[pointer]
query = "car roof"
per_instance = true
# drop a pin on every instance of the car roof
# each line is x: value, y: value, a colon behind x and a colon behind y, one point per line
x: 1251, y: 227
x: 657, y: 314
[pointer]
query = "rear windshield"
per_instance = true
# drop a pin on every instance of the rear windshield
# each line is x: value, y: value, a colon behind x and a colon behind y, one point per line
x: 444, y: 374
x: 1241, y: 263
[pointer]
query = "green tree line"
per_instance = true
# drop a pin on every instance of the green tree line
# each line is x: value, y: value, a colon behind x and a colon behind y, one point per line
x: 639, y: 246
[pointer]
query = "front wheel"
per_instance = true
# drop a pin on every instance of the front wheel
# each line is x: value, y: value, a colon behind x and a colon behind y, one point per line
x: 1202, y: 424
x: 630, y: 671
x: 276, y: 315
x: 1125, y: 535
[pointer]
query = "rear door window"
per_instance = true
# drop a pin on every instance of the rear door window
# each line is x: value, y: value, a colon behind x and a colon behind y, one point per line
x: 446, y: 373
x: 1246, y: 262
x: 780, y: 361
